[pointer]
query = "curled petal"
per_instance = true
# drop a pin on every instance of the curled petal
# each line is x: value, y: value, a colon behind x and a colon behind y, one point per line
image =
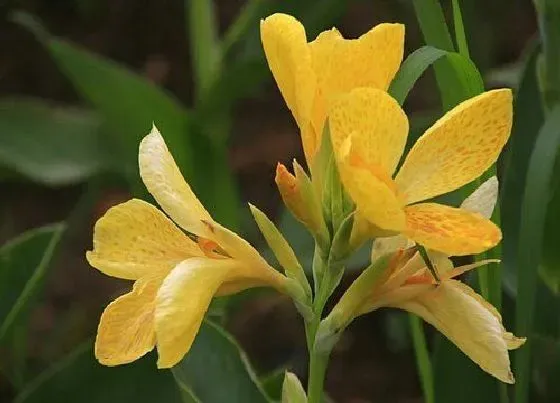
x: 181, y: 303
x: 253, y: 269
x: 165, y: 182
x: 372, y: 60
x: 135, y: 239
x: 472, y: 324
x: 376, y: 124
x: 289, y: 59
x: 371, y: 189
x: 453, y: 231
x: 126, y: 329
x: 458, y: 148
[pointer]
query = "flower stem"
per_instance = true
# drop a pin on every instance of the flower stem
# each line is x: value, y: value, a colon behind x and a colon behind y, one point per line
x: 317, y: 369
x: 318, y: 359
x: 422, y: 358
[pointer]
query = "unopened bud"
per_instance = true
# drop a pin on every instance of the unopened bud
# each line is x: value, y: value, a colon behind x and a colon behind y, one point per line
x: 298, y: 195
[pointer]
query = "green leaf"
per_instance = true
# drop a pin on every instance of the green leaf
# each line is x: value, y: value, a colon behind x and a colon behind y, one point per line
x: 127, y: 102
x: 531, y: 231
x: 206, y: 53
x: 436, y: 33
x: 452, y: 368
x: 272, y: 383
x: 460, y: 37
x: 412, y: 68
x: 216, y: 370
x: 23, y: 265
x: 549, y: 268
x: 50, y: 145
x: 80, y: 378
x: 528, y: 118
x: 425, y: 367
x: 466, y: 76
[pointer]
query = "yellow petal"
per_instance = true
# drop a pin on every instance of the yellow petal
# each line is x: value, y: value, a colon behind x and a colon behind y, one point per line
x: 372, y: 60
x: 483, y: 199
x: 453, y: 231
x: 384, y: 246
x: 441, y: 262
x: 363, y: 230
x: 457, y: 271
x: 375, y: 122
x: 253, y: 269
x: 322, y: 53
x: 165, y: 182
x: 458, y: 148
x: 126, y: 329
x: 181, y: 303
x: 135, y: 239
x: 371, y: 189
x: 289, y: 59
x: 472, y: 325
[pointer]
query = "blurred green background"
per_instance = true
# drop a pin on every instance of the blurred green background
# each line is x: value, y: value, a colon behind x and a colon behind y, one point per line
x: 81, y: 82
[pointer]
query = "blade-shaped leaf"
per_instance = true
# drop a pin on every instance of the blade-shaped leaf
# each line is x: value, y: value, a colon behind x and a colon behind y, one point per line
x: 452, y: 367
x: 50, y: 145
x: 467, y: 78
x: 128, y: 102
x: 23, y: 265
x: 528, y: 118
x: 216, y: 370
x: 531, y: 233
x: 412, y: 68
x: 80, y: 378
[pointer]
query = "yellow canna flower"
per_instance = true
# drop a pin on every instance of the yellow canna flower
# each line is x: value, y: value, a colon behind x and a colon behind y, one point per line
x: 175, y: 276
x: 311, y: 75
x: 369, y: 131
x: 451, y: 306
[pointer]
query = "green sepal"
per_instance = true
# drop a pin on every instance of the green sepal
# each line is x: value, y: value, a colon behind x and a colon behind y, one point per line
x: 292, y: 390
x: 336, y: 204
x: 281, y: 249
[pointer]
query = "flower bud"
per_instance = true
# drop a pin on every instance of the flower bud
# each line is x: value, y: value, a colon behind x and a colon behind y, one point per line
x: 298, y: 195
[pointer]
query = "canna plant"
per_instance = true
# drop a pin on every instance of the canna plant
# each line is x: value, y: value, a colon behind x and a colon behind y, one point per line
x: 353, y: 135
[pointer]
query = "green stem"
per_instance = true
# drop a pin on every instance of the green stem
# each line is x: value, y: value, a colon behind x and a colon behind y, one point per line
x: 318, y: 360
x: 422, y: 358
x: 317, y: 370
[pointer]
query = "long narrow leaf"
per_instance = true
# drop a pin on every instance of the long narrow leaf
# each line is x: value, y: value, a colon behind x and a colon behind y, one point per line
x: 129, y: 103
x: 533, y: 214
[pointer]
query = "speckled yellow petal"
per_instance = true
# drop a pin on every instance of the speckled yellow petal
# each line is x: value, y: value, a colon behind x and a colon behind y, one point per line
x: 375, y: 122
x: 453, y: 231
x: 472, y: 325
x: 135, y: 239
x: 458, y: 148
x: 181, y: 303
x: 253, y: 268
x: 372, y: 60
x: 483, y: 199
x: 289, y: 59
x: 165, y: 182
x: 371, y: 189
x: 322, y: 50
x: 126, y: 329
